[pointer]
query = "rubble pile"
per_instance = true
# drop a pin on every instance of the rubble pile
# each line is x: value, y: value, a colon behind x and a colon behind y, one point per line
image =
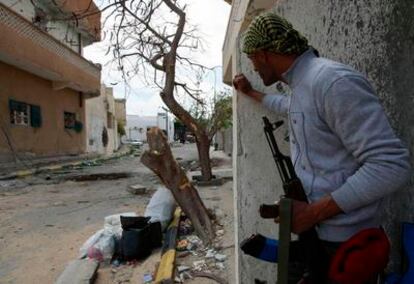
x: 193, y: 257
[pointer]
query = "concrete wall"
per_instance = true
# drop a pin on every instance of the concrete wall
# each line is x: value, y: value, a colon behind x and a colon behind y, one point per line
x: 224, y: 139
x: 375, y: 37
x: 68, y: 31
x: 166, y: 122
x: 136, y: 126
x: 255, y: 176
x: 51, y: 138
x: 100, y: 115
x: 112, y: 125
x: 120, y: 111
x: 96, y: 121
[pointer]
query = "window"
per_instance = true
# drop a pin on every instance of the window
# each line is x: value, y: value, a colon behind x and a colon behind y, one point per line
x: 19, y: 113
x: 25, y: 114
x: 70, y: 120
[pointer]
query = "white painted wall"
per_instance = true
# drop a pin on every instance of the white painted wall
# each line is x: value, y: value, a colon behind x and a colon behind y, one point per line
x: 136, y: 127
x: 164, y: 121
x: 97, y: 112
x: 64, y: 31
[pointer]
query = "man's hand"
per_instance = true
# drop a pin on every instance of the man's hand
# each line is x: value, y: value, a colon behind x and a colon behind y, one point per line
x: 305, y: 216
x: 241, y: 84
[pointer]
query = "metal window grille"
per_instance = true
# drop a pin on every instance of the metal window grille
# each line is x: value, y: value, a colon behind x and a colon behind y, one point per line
x: 19, y: 113
x: 69, y: 120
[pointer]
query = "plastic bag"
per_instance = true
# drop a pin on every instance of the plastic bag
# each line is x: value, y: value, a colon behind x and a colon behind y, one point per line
x: 103, y: 249
x: 112, y: 223
x: 161, y: 207
x: 100, y: 246
x: 83, y: 251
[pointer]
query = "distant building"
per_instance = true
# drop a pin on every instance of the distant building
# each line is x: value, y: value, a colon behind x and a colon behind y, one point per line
x: 137, y: 126
x: 44, y: 79
x: 166, y: 122
x: 101, y: 125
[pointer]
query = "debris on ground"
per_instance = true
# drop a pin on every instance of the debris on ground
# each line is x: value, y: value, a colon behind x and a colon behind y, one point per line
x: 195, y: 257
x: 200, y: 265
x: 137, y: 189
x: 185, y: 228
x: 182, y: 245
x: 148, y: 278
x: 182, y: 268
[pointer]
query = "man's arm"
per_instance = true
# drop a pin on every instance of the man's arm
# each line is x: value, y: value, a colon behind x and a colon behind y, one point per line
x: 354, y: 113
x: 277, y: 102
x: 305, y: 216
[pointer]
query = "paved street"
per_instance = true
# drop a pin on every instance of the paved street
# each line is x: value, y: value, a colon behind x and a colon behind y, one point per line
x: 46, y: 218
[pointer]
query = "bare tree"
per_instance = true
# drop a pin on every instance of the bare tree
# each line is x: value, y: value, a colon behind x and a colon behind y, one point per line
x: 152, y: 38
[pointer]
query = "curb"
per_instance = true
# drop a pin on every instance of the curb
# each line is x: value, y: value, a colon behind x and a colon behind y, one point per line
x: 165, y: 272
x: 24, y: 173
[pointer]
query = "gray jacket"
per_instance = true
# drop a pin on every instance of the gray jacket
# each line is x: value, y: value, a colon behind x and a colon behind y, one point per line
x: 341, y: 142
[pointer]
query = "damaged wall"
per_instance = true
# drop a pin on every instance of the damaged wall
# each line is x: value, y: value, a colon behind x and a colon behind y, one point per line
x: 48, y: 16
x: 376, y: 38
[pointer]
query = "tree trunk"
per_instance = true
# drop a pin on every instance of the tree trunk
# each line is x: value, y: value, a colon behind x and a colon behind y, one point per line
x: 203, y: 140
x: 203, y: 147
x: 161, y: 161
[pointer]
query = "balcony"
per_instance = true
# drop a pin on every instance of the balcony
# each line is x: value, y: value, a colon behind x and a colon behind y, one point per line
x: 87, y: 14
x: 26, y: 47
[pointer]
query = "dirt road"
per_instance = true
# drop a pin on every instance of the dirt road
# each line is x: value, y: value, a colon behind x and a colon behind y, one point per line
x: 44, y: 219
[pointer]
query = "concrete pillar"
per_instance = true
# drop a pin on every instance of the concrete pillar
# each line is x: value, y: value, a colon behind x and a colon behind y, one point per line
x: 255, y: 174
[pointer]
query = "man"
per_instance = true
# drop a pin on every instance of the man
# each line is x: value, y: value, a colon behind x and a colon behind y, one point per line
x: 342, y: 146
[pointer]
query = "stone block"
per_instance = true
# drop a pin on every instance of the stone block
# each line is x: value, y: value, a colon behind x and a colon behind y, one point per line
x: 80, y: 271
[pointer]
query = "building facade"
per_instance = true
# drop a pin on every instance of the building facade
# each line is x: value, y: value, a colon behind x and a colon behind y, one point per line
x: 375, y: 37
x: 120, y: 111
x: 44, y: 79
x: 101, y: 125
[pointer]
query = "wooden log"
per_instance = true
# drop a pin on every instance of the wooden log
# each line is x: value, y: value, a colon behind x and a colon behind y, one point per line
x: 161, y: 161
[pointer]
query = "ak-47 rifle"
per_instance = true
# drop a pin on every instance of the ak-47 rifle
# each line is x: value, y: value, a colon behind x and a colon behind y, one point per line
x: 293, y: 189
x: 292, y: 185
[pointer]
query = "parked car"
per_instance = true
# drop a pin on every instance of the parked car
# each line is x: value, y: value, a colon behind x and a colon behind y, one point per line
x: 135, y: 142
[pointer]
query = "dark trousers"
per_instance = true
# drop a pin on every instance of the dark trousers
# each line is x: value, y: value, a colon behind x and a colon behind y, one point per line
x: 299, y: 272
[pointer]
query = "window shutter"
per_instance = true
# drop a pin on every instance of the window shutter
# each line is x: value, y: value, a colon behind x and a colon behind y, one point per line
x: 35, y: 116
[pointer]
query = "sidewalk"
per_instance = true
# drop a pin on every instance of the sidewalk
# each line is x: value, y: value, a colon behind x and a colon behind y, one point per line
x: 57, y: 163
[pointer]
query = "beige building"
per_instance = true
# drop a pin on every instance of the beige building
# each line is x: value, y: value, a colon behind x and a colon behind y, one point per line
x: 120, y: 111
x: 44, y: 79
x: 101, y: 125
